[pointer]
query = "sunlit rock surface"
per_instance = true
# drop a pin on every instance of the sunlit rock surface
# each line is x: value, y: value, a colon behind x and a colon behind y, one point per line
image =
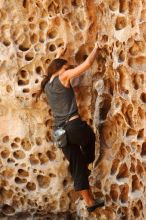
x: 34, y: 178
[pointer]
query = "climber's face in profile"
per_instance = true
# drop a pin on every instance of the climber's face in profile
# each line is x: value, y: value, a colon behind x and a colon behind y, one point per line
x: 68, y: 66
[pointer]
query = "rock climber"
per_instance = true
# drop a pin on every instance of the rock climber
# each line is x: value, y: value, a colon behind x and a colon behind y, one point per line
x: 80, y: 147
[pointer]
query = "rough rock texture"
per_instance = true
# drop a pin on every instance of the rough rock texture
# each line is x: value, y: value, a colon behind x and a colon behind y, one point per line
x: 34, y: 178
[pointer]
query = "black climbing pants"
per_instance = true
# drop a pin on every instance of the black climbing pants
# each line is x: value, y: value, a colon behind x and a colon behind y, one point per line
x: 80, y: 151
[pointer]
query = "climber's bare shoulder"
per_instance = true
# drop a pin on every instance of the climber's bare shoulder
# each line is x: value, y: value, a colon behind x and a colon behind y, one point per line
x: 69, y: 74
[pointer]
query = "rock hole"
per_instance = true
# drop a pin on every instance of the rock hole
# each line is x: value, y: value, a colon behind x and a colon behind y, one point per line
x: 36, y: 81
x: 48, y: 136
x: 34, y: 95
x: 3, y: 14
x: 47, y: 61
x: 22, y: 82
x: 138, y: 63
x: 26, y: 144
x: 52, y: 47
x: 34, y: 159
x: 23, y: 173
x: 29, y: 56
x: 139, y: 168
x: 43, y: 181
x: 140, y: 135
x: 51, y: 155
x: 135, y: 183
x: 8, y: 210
x: 23, y: 48
x: 84, y: 57
x: 137, y: 82
x: 105, y: 106
x: 75, y: 2
x: 143, y: 97
x: 114, y: 192
x: 123, y: 6
x: 123, y: 212
x: 22, y: 200
x: 136, y: 212
x: 123, y: 171
x: 65, y: 10
x: 60, y: 44
x: 54, y: 8
x: 32, y: 27
x: 107, y: 198
x: 45, y: 199
x: 122, y: 152
x: 20, y: 181
x: 30, y: 19
x: 34, y: 38
x: 113, y: 5
x: 26, y: 90
x: 141, y: 113
x: 143, y: 152
x: 65, y: 182
x: 43, y: 158
x: 52, y: 34
x: 52, y: 175
x: 19, y: 154
x: 124, y: 189
x: 134, y: 50
x: 10, y: 160
x: 5, y: 153
x: 132, y: 168
x: 17, y: 140
x: 35, y: 171
x: 131, y: 132
x: 14, y: 145
x: 120, y: 23
x: 23, y: 74
x: 139, y: 204
x: 31, y: 186
x: 5, y: 139
x: 9, y: 88
x: 117, y: 43
x: 43, y: 25
x: 38, y: 141
x: 39, y: 70
x: 128, y: 111
x: 121, y: 56
x: 25, y: 3
x: 6, y: 43
x: 8, y: 173
x: 80, y: 55
x: 82, y: 24
x: 41, y: 37
x: 115, y: 166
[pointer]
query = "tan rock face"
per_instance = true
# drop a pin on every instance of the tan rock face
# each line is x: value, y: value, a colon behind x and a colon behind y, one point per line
x: 111, y: 96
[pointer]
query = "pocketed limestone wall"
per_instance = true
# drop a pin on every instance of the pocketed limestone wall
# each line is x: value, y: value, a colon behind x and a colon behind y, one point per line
x: 34, y: 178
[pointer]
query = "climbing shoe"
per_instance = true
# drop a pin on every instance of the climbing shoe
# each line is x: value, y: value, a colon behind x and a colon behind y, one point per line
x: 97, y: 204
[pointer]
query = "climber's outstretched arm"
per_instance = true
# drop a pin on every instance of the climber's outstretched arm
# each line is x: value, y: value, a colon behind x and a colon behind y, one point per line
x: 77, y: 71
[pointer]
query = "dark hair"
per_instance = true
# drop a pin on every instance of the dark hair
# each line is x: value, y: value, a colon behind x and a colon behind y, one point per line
x: 54, y: 66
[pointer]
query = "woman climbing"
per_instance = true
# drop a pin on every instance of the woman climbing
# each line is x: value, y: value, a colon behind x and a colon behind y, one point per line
x: 80, y: 147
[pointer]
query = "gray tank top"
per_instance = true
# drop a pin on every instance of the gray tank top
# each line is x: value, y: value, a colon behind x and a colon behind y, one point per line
x: 61, y: 100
